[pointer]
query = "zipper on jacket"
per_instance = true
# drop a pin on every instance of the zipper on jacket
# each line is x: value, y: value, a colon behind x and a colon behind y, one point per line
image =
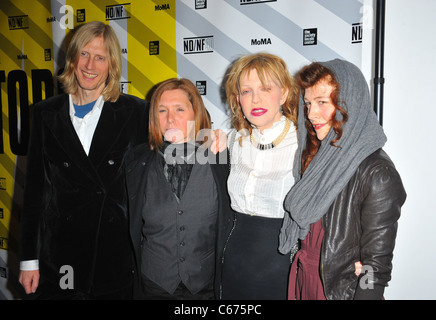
x: 321, y: 262
x: 224, y: 251
x: 322, y: 277
x: 229, y: 157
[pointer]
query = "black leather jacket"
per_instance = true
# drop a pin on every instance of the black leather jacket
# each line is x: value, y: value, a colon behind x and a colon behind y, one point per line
x: 361, y: 225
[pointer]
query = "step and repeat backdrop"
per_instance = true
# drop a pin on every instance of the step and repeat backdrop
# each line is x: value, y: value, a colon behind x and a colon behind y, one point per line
x: 195, y: 39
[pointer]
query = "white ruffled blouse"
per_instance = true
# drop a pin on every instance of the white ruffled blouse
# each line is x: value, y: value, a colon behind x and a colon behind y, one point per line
x: 260, y: 179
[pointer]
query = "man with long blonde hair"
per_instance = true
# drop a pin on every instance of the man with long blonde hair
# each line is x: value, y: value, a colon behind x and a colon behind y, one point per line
x: 74, y: 241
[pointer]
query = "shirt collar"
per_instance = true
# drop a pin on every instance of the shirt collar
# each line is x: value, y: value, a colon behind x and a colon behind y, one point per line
x: 270, y: 134
x: 98, y: 104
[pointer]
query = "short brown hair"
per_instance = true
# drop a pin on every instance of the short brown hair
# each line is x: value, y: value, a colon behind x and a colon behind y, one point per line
x: 202, y: 119
x: 81, y: 38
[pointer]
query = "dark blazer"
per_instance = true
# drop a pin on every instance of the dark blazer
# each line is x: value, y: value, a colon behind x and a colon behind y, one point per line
x: 136, y: 173
x: 75, y: 206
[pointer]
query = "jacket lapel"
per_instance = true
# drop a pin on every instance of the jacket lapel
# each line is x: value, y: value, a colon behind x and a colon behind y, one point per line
x: 59, y: 122
x: 114, y: 117
x: 57, y: 118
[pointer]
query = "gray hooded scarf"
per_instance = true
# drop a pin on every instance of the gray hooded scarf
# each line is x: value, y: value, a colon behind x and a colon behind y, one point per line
x: 332, y: 167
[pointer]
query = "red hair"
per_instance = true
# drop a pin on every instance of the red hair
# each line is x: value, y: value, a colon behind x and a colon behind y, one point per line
x: 307, y: 77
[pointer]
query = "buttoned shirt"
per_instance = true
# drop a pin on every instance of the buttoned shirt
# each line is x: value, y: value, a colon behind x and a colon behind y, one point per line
x: 85, y: 127
x: 260, y: 179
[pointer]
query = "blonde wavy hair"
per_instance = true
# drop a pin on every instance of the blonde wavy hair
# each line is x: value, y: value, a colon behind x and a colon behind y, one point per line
x: 268, y: 66
x: 83, y: 36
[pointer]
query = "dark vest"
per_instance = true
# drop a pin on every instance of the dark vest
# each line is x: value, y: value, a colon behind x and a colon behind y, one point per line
x: 179, y: 238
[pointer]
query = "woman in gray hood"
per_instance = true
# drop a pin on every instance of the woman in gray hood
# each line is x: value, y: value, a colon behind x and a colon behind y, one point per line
x: 344, y: 206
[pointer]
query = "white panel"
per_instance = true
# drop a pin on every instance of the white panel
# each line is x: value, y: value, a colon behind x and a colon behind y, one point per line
x: 409, y: 114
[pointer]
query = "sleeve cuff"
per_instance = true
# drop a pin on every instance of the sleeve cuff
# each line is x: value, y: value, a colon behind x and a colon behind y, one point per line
x: 29, y: 265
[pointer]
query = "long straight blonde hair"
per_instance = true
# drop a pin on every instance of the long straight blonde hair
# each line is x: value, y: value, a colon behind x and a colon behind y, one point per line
x: 81, y: 38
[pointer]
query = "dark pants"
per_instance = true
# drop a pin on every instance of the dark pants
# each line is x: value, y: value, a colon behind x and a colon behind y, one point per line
x: 50, y: 291
x: 152, y: 291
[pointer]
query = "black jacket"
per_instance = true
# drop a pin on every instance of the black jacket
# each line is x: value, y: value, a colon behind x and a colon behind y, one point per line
x: 361, y: 225
x: 136, y: 173
x: 75, y: 206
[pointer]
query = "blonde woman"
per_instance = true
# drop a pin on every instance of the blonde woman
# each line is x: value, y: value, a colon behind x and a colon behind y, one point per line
x: 263, y: 99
